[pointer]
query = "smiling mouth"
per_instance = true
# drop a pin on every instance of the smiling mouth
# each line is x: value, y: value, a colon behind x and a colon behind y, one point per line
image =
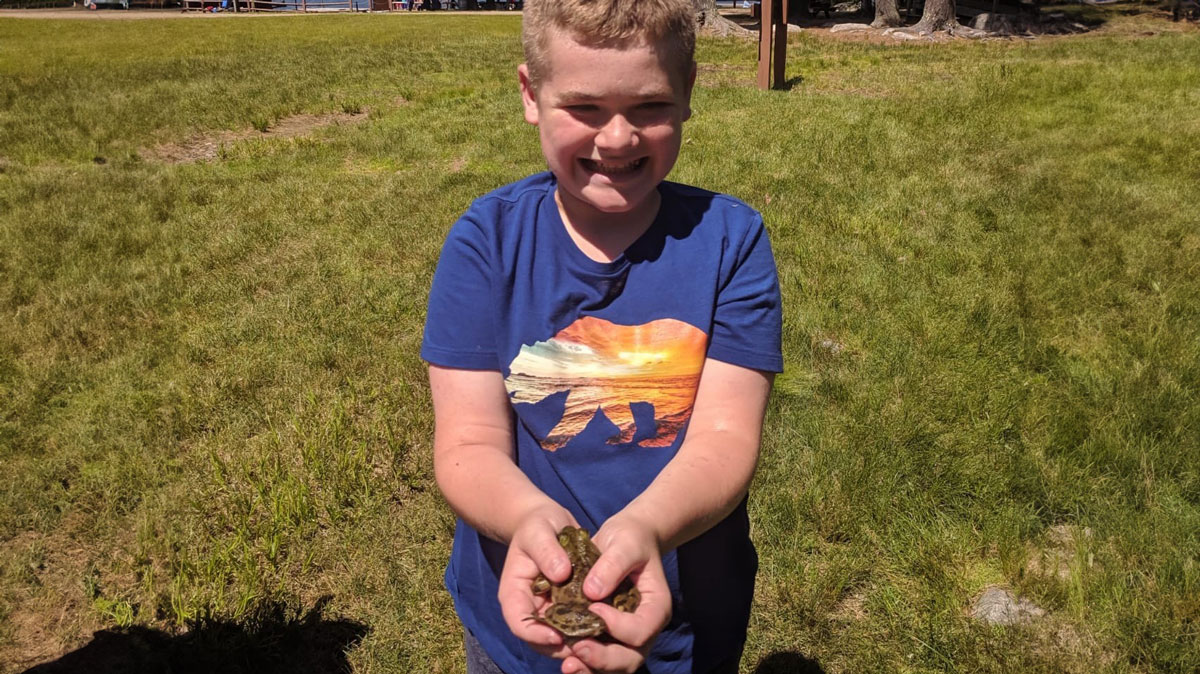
x: 613, y: 169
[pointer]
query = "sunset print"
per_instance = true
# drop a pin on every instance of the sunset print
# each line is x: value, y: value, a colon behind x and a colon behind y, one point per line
x: 608, y: 368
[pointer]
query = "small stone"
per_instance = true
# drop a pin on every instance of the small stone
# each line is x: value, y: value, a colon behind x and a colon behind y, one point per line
x: 998, y: 606
x: 844, y: 27
x: 831, y: 347
x: 994, y: 23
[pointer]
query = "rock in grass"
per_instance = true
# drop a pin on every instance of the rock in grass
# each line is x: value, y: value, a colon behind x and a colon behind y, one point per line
x: 843, y: 27
x: 994, y: 23
x: 998, y: 606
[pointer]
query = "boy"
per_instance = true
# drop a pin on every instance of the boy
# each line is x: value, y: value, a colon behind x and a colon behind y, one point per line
x: 601, y: 347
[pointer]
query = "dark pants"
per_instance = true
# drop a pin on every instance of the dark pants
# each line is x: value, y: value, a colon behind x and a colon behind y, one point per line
x: 479, y: 662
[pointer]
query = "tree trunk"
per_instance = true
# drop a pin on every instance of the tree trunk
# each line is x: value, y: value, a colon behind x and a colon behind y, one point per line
x: 886, y: 14
x: 709, y: 21
x: 938, y: 15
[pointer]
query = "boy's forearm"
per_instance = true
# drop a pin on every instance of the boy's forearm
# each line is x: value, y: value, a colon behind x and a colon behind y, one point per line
x: 698, y: 488
x: 473, y: 452
x: 485, y: 488
x: 712, y: 471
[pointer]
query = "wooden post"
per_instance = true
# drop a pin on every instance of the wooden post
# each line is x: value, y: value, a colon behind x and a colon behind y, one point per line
x: 765, y: 34
x: 780, y: 52
x: 772, y: 44
x: 303, y: 5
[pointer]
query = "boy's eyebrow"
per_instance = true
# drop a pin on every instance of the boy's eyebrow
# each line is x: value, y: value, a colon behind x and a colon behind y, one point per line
x: 583, y: 96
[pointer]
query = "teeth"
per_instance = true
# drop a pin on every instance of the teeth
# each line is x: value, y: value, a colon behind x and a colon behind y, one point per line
x: 616, y: 168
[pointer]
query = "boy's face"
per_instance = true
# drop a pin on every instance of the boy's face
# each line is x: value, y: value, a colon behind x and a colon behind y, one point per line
x: 610, y: 121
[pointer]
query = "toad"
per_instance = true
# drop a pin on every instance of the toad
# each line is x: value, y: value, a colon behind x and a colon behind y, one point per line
x: 568, y: 610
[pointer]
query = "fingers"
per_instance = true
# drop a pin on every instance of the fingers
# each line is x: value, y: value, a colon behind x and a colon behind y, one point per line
x: 614, y: 565
x: 638, y: 629
x: 533, y: 550
x: 540, y: 544
x: 626, y: 547
x: 517, y: 605
x: 573, y: 665
x: 593, y: 656
x: 517, y: 609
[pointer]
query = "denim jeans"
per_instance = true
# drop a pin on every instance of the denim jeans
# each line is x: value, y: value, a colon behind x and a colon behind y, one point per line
x: 479, y: 662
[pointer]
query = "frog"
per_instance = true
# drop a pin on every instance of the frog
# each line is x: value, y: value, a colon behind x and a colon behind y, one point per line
x: 568, y: 609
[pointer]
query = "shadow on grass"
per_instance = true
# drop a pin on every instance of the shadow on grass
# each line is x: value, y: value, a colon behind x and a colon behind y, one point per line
x: 791, y: 83
x: 788, y: 663
x: 275, y: 639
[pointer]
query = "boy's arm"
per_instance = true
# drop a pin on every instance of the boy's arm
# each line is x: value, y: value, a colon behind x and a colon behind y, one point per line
x: 474, y: 466
x: 698, y: 488
x: 712, y: 471
x: 473, y: 453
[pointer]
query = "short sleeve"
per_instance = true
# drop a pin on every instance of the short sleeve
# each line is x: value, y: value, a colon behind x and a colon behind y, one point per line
x: 748, y: 323
x: 460, y: 322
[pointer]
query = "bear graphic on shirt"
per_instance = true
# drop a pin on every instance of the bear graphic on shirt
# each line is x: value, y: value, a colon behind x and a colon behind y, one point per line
x: 641, y: 378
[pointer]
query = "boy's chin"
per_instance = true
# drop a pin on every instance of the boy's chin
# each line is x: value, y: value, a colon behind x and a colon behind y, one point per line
x: 610, y: 202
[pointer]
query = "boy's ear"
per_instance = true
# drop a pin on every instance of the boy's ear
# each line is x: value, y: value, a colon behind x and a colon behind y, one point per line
x: 528, y: 95
x: 691, y: 83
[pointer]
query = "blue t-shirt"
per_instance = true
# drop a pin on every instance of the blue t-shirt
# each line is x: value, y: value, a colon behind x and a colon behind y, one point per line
x: 601, y: 362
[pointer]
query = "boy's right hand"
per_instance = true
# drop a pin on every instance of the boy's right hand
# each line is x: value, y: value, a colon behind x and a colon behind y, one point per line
x: 534, y: 549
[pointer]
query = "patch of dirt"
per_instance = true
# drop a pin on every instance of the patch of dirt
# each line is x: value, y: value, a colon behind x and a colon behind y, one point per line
x: 139, y: 13
x: 208, y: 146
x: 1059, y: 640
x: 1064, y: 551
x: 49, y: 612
x: 81, y: 12
x: 870, y: 35
x: 724, y: 74
x: 1011, y: 28
x: 853, y: 27
x: 852, y: 607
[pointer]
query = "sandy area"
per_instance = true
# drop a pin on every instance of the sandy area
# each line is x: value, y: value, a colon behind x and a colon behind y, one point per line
x: 115, y: 14
x: 176, y: 13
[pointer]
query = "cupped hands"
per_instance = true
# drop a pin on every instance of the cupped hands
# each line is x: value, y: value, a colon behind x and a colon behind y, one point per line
x: 628, y: 548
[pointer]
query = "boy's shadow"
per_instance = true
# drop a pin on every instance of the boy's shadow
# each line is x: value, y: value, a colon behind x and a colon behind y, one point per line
x: 273, y: 639
x: 788, y: 663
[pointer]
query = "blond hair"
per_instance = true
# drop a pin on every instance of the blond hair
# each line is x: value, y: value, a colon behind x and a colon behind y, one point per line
x: 667, y: 25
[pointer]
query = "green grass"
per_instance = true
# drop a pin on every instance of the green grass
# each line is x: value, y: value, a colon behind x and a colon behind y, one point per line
x: 211, y: 402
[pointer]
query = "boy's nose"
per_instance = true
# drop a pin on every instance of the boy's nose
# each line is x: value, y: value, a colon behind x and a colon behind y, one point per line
x: 616, y: 133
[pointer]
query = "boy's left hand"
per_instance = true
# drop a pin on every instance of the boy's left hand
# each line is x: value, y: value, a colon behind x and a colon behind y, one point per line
x: 630, y: 549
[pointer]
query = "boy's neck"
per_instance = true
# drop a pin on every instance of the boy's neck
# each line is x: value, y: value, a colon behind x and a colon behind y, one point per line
x: 603, y: 237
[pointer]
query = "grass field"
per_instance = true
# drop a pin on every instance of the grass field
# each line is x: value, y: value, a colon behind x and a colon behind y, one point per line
x: 212, y: 413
